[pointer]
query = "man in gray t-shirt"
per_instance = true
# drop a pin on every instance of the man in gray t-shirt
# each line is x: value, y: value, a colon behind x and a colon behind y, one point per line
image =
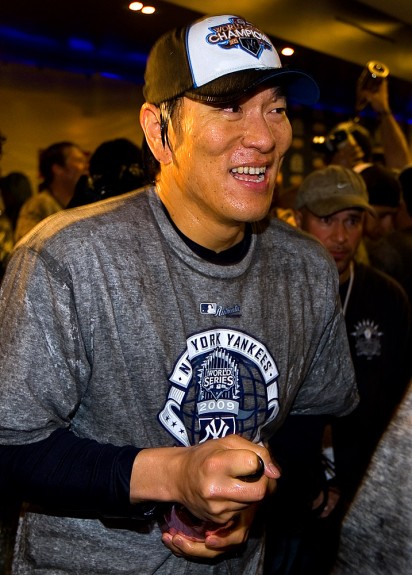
x: 152, y: 343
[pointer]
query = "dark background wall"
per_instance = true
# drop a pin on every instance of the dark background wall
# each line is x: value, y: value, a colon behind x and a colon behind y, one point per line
x: 51, y: 91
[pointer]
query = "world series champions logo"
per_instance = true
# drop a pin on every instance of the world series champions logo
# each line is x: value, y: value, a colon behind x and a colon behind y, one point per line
x: 237, y: 33
x: 224, y: 383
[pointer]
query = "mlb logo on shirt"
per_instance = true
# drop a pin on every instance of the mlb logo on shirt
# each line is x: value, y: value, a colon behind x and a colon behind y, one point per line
x: 208, y: 308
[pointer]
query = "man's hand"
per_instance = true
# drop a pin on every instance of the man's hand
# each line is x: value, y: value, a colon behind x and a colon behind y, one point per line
x: 378, y: 98
x: 210, y: 480
x: 333, y: 497
x: 216, y: 542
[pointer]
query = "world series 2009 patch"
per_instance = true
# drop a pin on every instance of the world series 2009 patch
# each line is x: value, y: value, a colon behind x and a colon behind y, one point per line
x: 224, y: 382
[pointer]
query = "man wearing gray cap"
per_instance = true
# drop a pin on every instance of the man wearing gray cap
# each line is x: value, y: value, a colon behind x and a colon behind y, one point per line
x: 331, y: 205
x: 152, y: 343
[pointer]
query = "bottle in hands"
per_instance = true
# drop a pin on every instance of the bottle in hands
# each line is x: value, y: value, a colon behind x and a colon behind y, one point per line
x: 178, y: 519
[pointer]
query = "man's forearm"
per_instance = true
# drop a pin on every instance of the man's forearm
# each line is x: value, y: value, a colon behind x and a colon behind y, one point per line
x: 395, y: 146
x: 68, y: 472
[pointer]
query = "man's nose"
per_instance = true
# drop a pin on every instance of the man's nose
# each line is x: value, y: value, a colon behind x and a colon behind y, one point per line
x: 339, y: 232
x: 259, y: 134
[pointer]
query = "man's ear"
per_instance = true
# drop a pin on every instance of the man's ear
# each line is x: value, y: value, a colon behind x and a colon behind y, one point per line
x: 150, y: 122
x: 298, y: 218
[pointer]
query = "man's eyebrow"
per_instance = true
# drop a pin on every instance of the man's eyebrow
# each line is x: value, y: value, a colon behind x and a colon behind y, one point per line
x: 278, y: 92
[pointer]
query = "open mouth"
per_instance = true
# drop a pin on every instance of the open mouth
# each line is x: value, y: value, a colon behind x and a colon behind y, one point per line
x: 249, y: 173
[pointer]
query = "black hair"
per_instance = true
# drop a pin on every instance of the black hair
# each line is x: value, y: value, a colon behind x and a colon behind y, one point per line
x: 15, y: 190
x: 384, y: 188
x: 115, y: 167
x: 110, y: 157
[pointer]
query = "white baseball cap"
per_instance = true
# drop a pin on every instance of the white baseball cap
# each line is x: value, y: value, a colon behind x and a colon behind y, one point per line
x: 218, y: 59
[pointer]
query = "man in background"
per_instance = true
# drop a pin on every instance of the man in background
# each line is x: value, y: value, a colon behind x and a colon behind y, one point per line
x: 331, y: 204
x: 60, y: 166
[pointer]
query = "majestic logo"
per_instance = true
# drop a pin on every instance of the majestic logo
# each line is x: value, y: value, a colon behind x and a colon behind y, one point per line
x: 219, y: 311
x: 223, y: 383
x: 237, y: 33
x: 367, y: 339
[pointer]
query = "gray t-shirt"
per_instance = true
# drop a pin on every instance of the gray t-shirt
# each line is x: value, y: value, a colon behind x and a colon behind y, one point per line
x: 112, y: 325
x: 377, y: 530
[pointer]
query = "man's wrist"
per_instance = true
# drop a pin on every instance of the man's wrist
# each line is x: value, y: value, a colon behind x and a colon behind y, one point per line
x: 155, y: 475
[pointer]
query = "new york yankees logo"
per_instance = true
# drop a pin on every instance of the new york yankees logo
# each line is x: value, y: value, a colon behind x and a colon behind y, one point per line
x: 223, y: 383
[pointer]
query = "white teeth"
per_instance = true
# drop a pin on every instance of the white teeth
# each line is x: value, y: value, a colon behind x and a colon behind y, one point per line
x: 249, y: 170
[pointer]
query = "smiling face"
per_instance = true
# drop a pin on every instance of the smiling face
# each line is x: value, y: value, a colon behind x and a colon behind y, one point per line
x: 222, y: 168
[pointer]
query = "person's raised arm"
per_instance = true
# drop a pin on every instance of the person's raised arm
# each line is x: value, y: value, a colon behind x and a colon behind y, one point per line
x: 394, y: 142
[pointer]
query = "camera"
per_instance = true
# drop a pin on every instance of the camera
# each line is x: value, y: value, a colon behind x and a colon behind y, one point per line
x: 331, y: 143
x: 350, y: 132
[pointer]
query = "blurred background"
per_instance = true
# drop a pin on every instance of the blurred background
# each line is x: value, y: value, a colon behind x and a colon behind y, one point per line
x: 74, y: 71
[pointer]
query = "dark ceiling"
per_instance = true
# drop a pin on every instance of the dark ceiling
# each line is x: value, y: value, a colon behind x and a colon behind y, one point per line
x: 354, y: 30
x: 105, y: 37
x: 89, y: 36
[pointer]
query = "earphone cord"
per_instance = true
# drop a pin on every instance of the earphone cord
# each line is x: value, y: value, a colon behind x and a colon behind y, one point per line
x: 351, y: 278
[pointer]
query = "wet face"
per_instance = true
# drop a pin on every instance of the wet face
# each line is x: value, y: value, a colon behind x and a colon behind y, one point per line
x: 340, y: 233
x: 225, y: 160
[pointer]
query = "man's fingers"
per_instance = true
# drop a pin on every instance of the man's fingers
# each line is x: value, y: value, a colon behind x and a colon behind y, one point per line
x: 182, y: 546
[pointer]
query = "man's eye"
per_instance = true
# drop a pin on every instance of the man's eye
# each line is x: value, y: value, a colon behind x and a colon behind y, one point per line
x: 279, y: 110
x: 233, y: 108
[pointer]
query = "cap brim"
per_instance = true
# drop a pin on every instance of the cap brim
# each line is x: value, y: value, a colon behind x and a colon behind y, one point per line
x: 298, y: 86
x: 329, y: 206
